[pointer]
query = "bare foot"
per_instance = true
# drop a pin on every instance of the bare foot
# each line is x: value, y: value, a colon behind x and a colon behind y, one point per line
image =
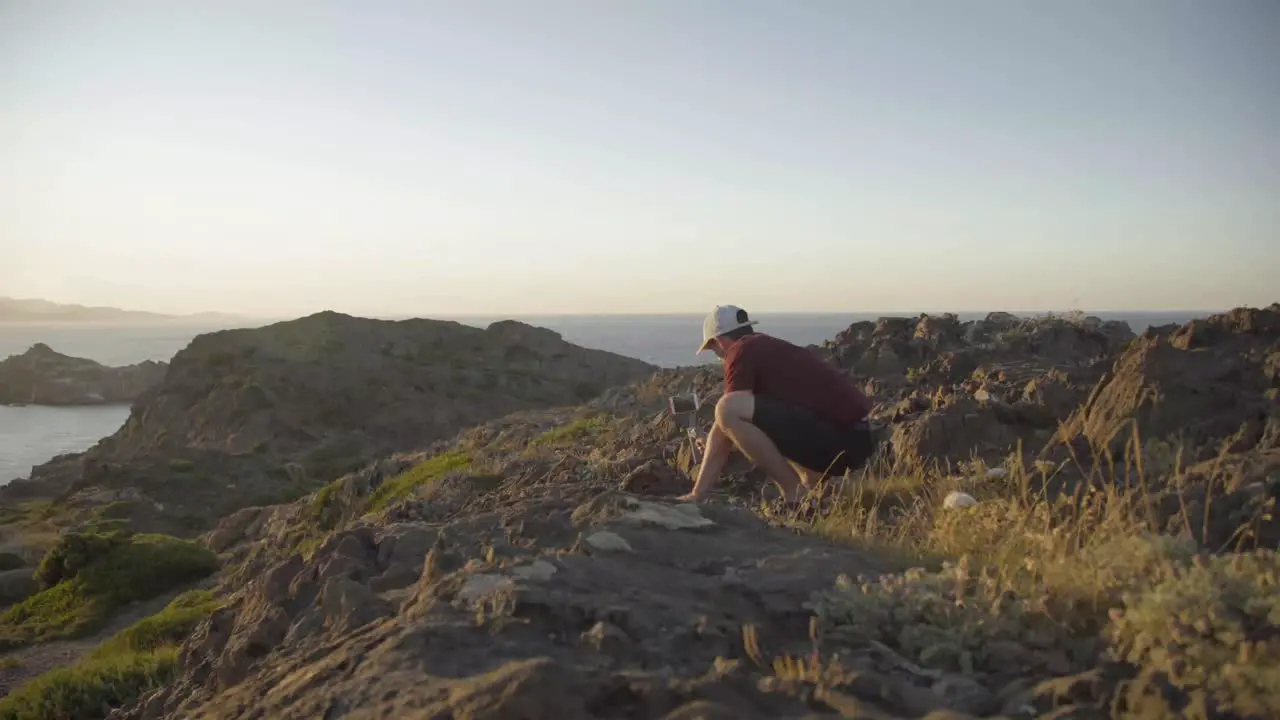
x: 689, y: 498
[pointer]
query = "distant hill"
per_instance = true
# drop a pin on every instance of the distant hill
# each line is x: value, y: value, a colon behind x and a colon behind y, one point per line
x: 261, y: 415
x: 22, y: 310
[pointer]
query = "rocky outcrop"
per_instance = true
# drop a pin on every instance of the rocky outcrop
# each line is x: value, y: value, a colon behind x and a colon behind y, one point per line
x: 951, y: 391
x: 259, y: 416
x: 42, y: 376
x: 1211, y: 382
x: 552, y: 576
x: 892, y: 346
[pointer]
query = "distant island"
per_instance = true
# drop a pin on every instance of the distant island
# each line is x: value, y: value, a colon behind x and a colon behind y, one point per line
x: 22, y: 310
x: 43, y: 376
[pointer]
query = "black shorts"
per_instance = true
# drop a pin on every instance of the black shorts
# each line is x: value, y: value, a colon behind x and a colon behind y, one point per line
x: 811, y: 442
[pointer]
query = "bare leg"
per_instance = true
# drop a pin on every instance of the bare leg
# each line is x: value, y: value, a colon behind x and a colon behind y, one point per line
x: 713, y: 461
x: 732, y: 413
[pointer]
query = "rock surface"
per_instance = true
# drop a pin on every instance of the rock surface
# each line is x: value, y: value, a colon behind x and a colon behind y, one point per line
x: 547, y: 595
x: 42, y: 376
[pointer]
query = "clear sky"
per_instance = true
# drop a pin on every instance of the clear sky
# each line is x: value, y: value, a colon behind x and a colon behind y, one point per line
x: 522, y: 156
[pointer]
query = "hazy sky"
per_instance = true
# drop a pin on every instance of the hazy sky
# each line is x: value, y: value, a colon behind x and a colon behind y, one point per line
x: 534, y: 156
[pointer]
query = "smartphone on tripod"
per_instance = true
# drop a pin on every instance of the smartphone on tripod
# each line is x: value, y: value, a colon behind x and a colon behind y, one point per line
x: 684, y: 410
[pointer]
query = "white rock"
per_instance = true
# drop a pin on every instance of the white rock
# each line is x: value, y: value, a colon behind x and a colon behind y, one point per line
x: 537, y: 570
x: 996, y: 473
x: 608, y: 542
x: 667, y: 516
x: 956, y: 499
x: 477, y: 586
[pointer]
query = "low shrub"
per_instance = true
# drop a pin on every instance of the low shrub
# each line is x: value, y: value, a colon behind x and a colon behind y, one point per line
x: 135, y: 660
x: 86, y: 577
x: 1210, y: 627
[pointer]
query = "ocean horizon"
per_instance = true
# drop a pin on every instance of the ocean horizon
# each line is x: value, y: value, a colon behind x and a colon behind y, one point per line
x: 33, y: 435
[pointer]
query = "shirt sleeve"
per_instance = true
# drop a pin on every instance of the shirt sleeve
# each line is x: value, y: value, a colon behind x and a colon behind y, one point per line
x: 739, y: 373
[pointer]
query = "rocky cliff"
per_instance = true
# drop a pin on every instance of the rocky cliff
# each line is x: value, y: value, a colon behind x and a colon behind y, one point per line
x: 533, y: 565
x: 531, y: 568
x: 260, y: 415
x: 41, y: 376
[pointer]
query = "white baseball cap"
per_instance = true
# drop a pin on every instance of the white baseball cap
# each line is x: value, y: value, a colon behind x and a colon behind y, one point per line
x: 724, y: 319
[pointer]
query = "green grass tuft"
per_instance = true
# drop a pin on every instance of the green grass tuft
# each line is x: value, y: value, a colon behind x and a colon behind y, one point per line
x: 583, y: 428
x: 135, y: 660
x: 87, y: 577
x: 421, y: 474
x: 167, y: 627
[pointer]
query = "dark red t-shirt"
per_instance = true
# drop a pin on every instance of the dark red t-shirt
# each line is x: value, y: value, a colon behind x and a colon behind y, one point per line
x: 766, y: 365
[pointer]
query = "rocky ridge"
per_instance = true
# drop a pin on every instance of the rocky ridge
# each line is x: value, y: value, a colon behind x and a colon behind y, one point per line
x: 262, y: 415
x: 530, y: 567
x: 42, y: 376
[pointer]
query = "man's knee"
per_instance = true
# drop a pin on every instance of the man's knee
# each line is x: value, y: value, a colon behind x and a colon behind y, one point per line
x: 735, y: 407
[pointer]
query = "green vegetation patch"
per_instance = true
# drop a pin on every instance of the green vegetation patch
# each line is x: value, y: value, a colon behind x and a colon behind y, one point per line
x: 424, y: 473
x: 180, y: 465
x: 168, y: 627
x: 33, y: 510
x: 583, y: 428
x: 134, y: 661
x: 88, y: 576
x: 1209, y: 626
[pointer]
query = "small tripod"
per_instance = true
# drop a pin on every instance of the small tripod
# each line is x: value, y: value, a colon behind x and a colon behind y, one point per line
x: 684, y: 411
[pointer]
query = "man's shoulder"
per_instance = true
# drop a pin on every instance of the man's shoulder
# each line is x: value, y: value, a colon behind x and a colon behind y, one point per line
x: 760, y: 342
x: 759, y: 346
x: 752, y: 345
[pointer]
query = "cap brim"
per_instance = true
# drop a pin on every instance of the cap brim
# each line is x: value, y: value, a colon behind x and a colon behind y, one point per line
x: 707, y: 343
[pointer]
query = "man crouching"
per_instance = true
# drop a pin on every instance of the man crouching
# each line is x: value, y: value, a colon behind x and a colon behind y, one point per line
x: 790, y: 413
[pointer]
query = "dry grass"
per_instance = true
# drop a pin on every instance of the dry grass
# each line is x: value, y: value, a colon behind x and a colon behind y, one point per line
x: 1099, y: 574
